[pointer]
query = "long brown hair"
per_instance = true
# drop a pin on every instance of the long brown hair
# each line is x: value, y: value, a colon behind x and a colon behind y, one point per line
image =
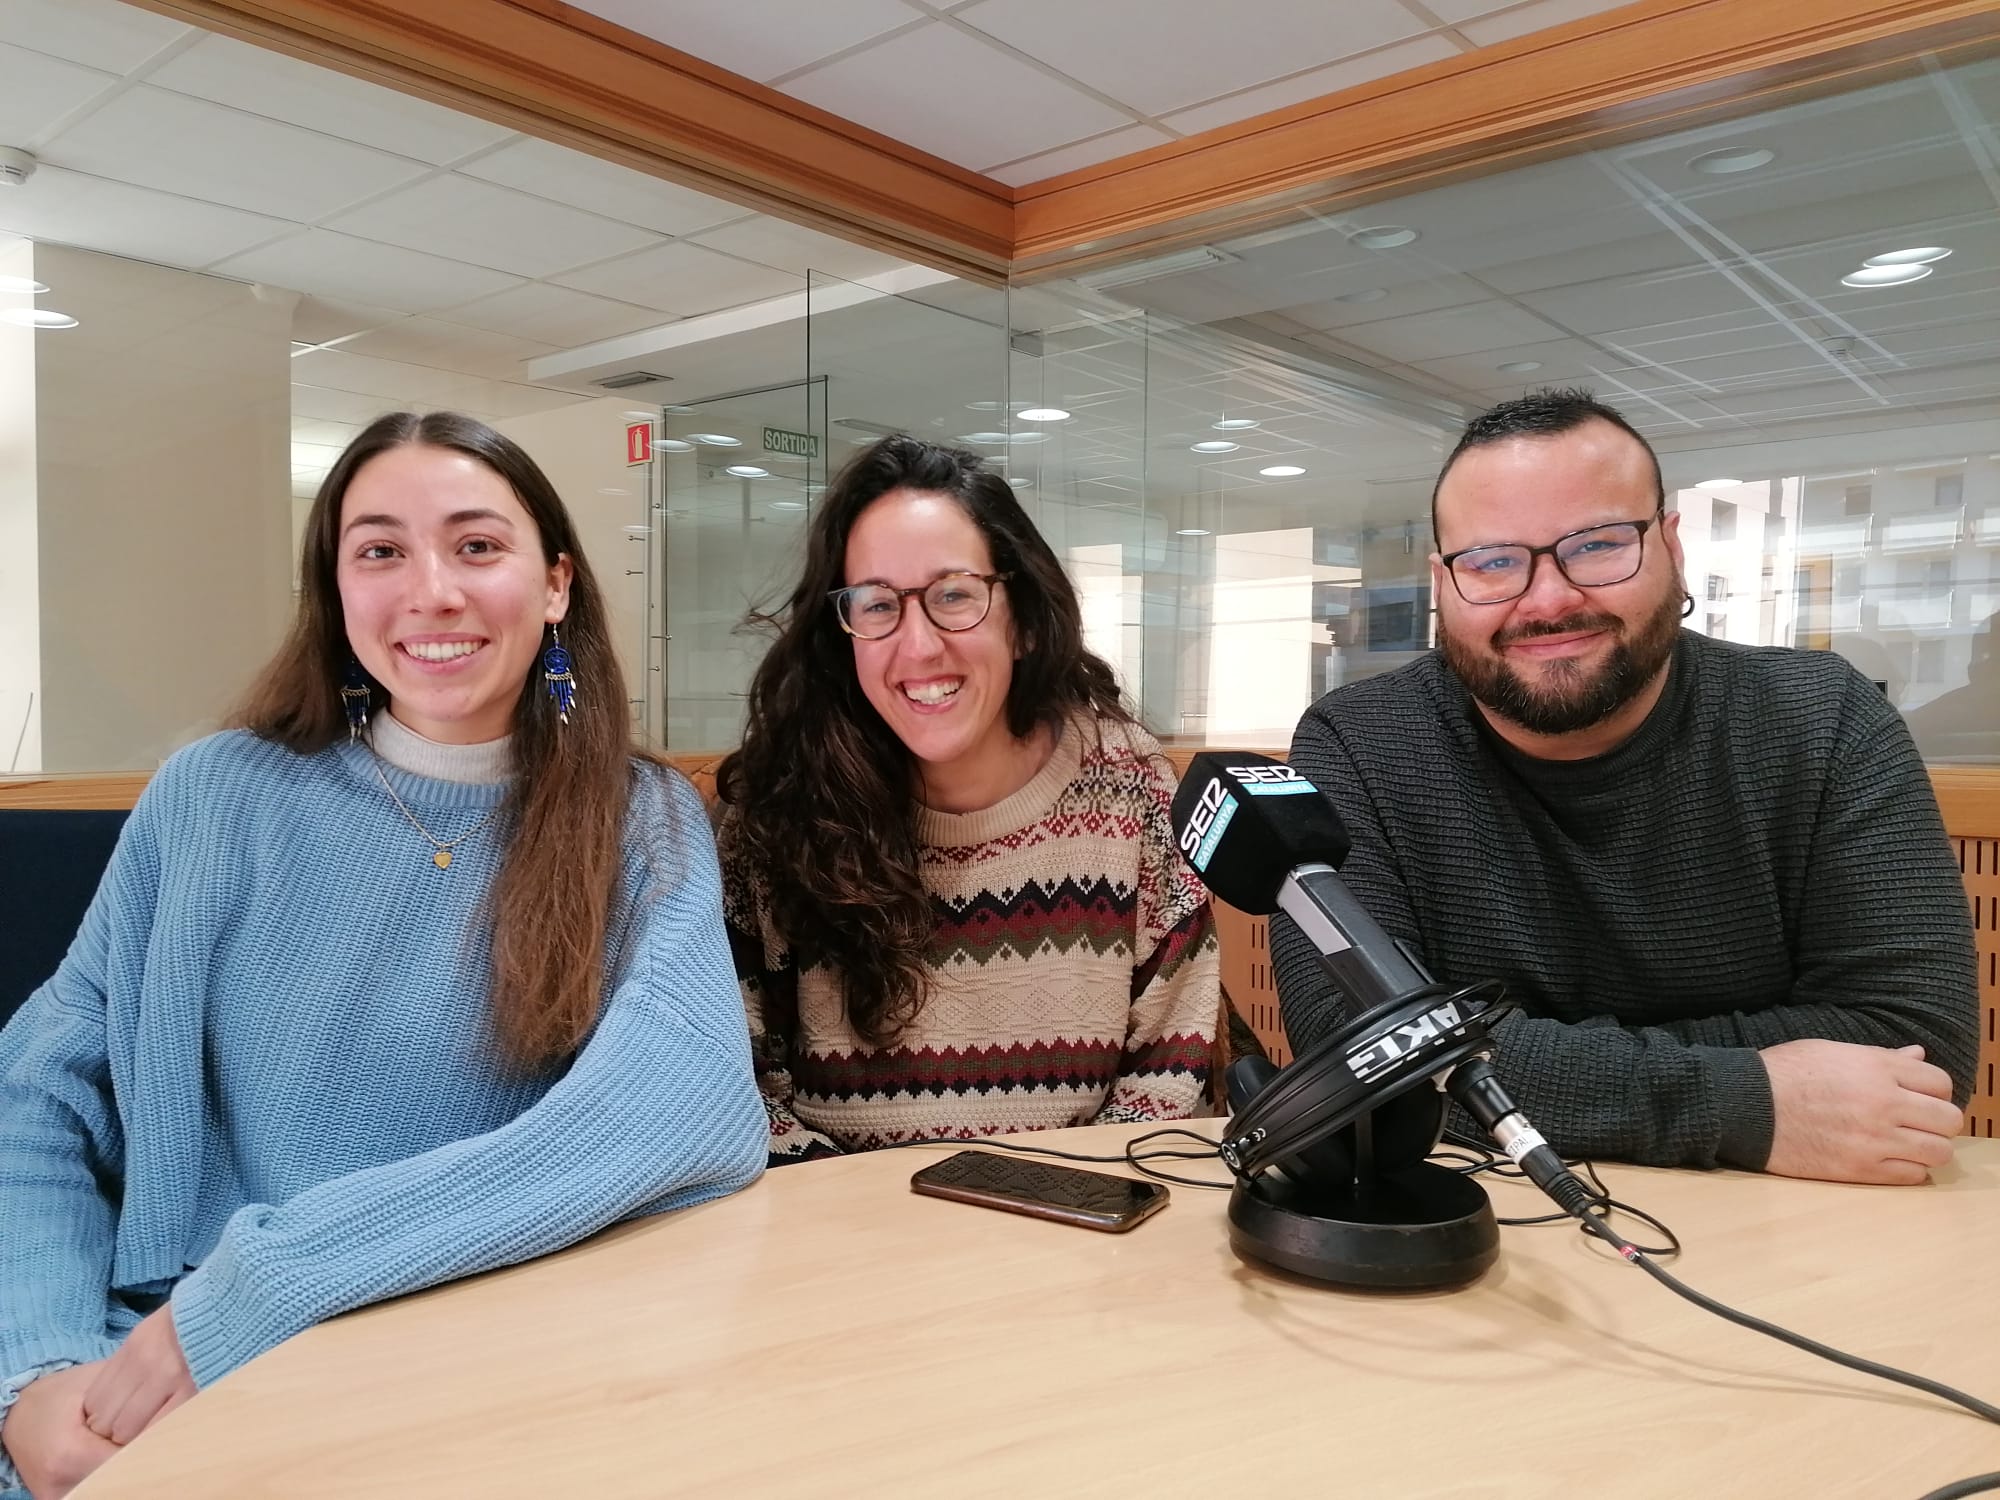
x: 551, y: 901
x: 819, y: 804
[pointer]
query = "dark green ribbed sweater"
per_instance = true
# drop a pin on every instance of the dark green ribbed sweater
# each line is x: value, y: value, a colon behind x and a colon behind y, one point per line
x: 1762, y: 861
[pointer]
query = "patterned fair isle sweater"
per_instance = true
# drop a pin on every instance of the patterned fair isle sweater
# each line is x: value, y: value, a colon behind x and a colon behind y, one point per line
x: 1074, y: 976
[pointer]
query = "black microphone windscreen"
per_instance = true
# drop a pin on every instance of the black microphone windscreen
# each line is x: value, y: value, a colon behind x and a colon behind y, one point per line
x: 1245, y: 822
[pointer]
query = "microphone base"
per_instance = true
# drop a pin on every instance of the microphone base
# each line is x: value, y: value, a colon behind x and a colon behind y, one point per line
x: 1423, y: 1226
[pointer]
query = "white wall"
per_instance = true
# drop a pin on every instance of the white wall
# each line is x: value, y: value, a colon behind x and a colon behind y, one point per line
x: 581, y: 447
x: 163, y: 504
x: 20, y: 577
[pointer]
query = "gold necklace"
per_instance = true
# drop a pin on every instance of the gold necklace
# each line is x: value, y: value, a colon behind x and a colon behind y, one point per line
x: 441, y: 857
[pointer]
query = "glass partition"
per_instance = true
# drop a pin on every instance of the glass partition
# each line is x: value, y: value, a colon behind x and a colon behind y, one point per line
x: 1800, y: 308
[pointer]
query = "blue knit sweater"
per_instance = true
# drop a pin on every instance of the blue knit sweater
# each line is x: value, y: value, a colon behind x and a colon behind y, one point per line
x: 262, y: 1079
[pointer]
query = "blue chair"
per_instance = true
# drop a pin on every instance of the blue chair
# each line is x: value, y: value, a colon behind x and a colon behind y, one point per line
x: 50, y: 864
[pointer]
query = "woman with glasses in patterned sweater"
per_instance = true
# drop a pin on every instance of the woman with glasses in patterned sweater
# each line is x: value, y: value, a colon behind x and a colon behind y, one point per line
x: 949, y: 876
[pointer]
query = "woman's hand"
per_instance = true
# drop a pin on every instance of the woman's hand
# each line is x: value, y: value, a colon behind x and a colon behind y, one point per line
x: 46, y: 1437
x: 147, y: 1378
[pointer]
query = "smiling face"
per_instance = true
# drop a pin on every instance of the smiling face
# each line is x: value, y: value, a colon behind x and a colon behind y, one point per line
x: 444, y: 589
x: 1560, y: 660
x: 944, y: 693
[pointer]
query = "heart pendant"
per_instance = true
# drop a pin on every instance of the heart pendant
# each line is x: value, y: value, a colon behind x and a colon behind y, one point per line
x: 442, y: 859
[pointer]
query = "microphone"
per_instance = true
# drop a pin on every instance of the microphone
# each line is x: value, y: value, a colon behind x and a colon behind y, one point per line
x: 1264, y: 839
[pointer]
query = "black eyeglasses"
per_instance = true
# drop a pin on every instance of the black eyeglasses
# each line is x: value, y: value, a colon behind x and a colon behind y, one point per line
x: 1590, y: 559
x: 952, y: 602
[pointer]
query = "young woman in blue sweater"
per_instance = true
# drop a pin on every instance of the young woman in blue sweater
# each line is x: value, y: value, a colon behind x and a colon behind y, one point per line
x: 418, y: 973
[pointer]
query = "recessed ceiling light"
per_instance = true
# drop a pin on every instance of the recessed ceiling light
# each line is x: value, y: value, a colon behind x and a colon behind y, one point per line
x: 1045, y: 414
x: 716, y: 439
x: 1020, y: 482
x: 747, y: 471
x: 1366, y: 294
x: 1716, y: 484
x: 1193, y: 531
x: 1282, y: 471
x: 788, y: 505
x: 1235, y: 424
x: 38, y: 317
x: 21, y: 286
x: 671, y: 445
x: 1027, y: 437
x: 982, y: 437
x: 1518, y: 366
x: 1216, y: 446
x: 1885, y: 275
x: 640, y: 416
x: 1733, y: 159
x: 678, y: 411
x: 998, y: 405
x: 615, y: 492
x: 1383, y: 237
x: 1919, y: 255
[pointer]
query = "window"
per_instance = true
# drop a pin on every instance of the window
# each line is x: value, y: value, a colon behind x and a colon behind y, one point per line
x: 1860, y: 499
x: 1949, y: 492
x: 1722, y: 521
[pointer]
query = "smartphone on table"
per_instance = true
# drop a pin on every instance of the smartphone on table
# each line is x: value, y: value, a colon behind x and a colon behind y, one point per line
x: 1021, y: 1185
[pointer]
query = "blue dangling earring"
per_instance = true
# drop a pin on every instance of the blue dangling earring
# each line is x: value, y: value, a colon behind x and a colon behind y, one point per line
x: 556, y: 673
x: 354, y: 693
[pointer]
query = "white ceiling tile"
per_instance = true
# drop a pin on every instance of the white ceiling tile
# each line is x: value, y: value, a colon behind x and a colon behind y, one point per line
x: 1453, y: 330
x: 1082, y: 154
x: 1560, y: 361
x: 201, y: 150
x: 327, y: 404
x: 602, y: 187
x: 330, y: 434
x: 72, y: 209
x: 351, y: 270
x: 760, y: 39
x: 1400, y: 299
x: 37, y: 90
x: 384, y: 379
x: 99, y: 33
x: 449, y: 346
x: 1451, y: 12
x: 554, y: 315
x: 1396, y: 58
x: 225, y: 71
x: 795, y: 249
x: 1538, y: 16
x: 487, y: 225
x: 1643, y: 303
x: 682, y: 278
x: 976, y: 104
x: 1198, y: 51
x: 320, y: 320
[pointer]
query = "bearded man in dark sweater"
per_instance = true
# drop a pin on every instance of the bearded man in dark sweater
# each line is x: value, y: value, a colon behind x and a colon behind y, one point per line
x: 1714, y: 876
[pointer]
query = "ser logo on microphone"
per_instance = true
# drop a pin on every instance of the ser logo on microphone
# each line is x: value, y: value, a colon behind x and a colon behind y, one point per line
x: 1206, y: 822
x: 1378, y: 1054
x: 1275, y: 780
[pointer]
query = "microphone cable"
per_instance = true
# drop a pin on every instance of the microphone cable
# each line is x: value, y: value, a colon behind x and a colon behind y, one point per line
x: 1591, y: 1216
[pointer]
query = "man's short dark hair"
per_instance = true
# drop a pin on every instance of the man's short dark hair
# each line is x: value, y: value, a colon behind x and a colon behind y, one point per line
x: 1542, y: 413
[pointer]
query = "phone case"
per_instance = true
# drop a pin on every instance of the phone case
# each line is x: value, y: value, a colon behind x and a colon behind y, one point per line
x: 1043, y: 1190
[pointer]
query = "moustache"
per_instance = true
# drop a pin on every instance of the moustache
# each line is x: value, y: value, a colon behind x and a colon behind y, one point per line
x: 1573, y: 625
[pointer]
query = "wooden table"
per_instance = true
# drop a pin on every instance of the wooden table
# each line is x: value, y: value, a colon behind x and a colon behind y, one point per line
x: 829, y: 1333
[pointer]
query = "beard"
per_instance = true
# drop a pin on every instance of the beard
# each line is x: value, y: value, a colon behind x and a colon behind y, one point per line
x: 1569, y: 695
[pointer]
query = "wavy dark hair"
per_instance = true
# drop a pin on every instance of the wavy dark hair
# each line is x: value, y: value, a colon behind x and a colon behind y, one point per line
x: 818, y: 799
x: 551, y: 901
